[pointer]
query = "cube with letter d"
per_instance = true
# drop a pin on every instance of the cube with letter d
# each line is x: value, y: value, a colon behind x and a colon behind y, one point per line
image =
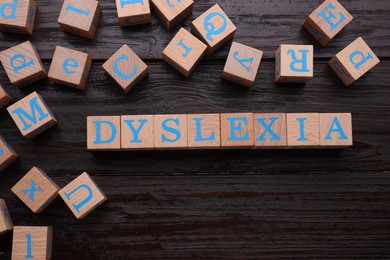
x: 103, y: 133
x: 17, y: 16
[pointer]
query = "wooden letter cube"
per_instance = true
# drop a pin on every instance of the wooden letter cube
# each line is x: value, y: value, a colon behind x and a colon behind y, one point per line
x: 170, y: 131
x: 7, y: 154
x: 5, y: 99
x: 270, y: 130
x: 22, y: 64
x: 82, y: 195
x: 80, y: 17
x: 237, y: 130
x: 17, y: 16
x: 137, y: 132
x: 214, y: 28
x: 133, y: 12
x: 303, y: 130
x: 204, y: 131
x: 294, y: 63
x: 336, y: 130
x: 184, y: 52
x: 125, y: 68
x: 172, y: 12
x: 242, y: 64
x: 327, y: 21
x: 36, y: 190
x: 354, y: 61
x: 31, y: 115
x: 104, y: 133
x: 5, y: 218
x: 70, y: 67
x: 32, y: 243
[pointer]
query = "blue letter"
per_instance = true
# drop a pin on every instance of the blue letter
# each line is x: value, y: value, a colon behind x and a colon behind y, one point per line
x: 29, y: 251
x: 199, y: 137
x: 21, y: 66
x: 362, y: 58
x: 4, y: 210
x: 12, y: 15
x: 295, y: 60
x: 210, y: 28
x: 134, y: 130
x: 172, y: 5
x: 98, y: 132
x: 238, y: 127
x: 83, y: 202
x: 185, y: 47
x: 120, y: 73
x: 77, y: 10
x: 267, y: 129
x: 32, y: 190
x: 21, y: 113
x: 330, y: 16
x: 70, y: 62
x: 302, y: 129
x: 170, y: 129
x: 129, y: 2
x: 242, y: 61
x: 338, y: 129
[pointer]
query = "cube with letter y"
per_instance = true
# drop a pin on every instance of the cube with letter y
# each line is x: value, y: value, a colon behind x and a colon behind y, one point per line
x: 104, y: 133
x: 171, y: 12
x: 7, y: 154
x: 170, y: 131
x: 17, y: 16
x: 336, y: 130
x: 137, y: 132
x: 133, y: 12
x: 303, y: 130
x: 5, y: 218
x: 237, y: 130
x: 204, y: 131
x: 32, y: 243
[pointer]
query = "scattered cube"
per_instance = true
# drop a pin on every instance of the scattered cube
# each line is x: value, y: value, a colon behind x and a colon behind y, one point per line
x: 214, y: 28
x: 5, y: 99
x: 327, y: 21
x: 170, y: 131
x: 70, y: 67
x: 137, y: 132
x: 31, y: 115
x: 104, y: 133
x: 133, y: 12
x: 204, y: 131
x: 242, y: 64
x: 336, y: 130
x: 184, y: 52
x: 237, y: 130
x: 22, y: 64
x: 270, y: 130
x: 80, y: 17
x: 5, y: 218
x: 82, y: 195
x: 32, y: 243
x: 126, y: 68
x: 172, y: 12
x: 354, y: 61
x: 7, y: 154
x: 303, y: 130
x: 17, y: 16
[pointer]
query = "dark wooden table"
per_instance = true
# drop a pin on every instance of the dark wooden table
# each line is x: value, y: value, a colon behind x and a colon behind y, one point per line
x: 213, y: 204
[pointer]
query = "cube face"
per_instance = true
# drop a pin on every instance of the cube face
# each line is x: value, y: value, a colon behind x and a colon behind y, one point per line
x: 80, y: 17
x: 17, y: 16
x: 242, y: 64
x: 36, y: 190
x: 22, y: 64
x: 32, y: 243
x: 70, y: 67
x: 5, y: 218
x: 133, y: 12
x: 104, y: 133
x: 237, y: 130
x: 204, y: 131
x: 137, y: 132
x: 7, y: 154
x: 184, y: 52
x: 303, y: 130
x: 270, y: 130
x: 82, y: 195
x: 5, y: 99
x: 354, y: 61
x: 172, y: 12
x: 170, y: 131
x: 125, y: 68
x: 214, y: 28
x: 327, y: 21
x: 336, y: 129
x: 294, y: 63
x: 31, y: 115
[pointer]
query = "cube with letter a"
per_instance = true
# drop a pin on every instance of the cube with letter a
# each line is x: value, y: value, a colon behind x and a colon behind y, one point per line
x: 133, y: 12
x: 303, y: 130
x: 172, y: 12
x: 5, y: 99
x: 7, y: 154
x: 336, y: 129
x: 204, y: 131
x: 5, y: 218
x: 170, y: 132
x: 104, y: 133
x: 137, y: 132
x: 17, y: 16
x: 32, y: 243
x: 237, y: 130
x: 270, y: 130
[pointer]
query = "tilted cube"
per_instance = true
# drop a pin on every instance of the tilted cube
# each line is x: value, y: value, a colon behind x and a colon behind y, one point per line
x: 5, y: 218
x: 5, y: 99
x: 172, y: 12
x: 133, y: 12
x: 7, y: 154
x: 17, y: 16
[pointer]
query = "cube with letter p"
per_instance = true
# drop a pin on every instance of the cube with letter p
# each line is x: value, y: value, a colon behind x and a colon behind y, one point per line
x: 17, y: 16
x: 104, y: 133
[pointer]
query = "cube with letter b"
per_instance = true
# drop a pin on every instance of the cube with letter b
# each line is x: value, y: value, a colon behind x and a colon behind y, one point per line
x: 133, y: 12
x: 7, y: 154
x: 303, y: 130
x: 237, y: 130
x: 17, y: 16
x: 336, y: 130
x: 170, y: 131
x: 137, y: 132
x: 5, y: 218
x: 104, y: 133
x: 171, y: 12
x: 32, y: 243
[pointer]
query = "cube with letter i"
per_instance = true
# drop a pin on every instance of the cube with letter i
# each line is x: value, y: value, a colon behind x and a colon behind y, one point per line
x: 270, y: 130
x: 17, y: 16
x: 303, y: 130
x: 237, y: 130
x: 7, y: 154
x: 137, y: 132
x: 170, y: 132
x: 354, y: 61
x: 22, y: 64
x: 5, y: 99
x: 184, y: 52
x: 242, y: 64
x: 133, y: 12
x: 70, y: 67
x: 172, y: 12
x: 82, y: 195
x: 31, y: 115
x: 80, y: 17
x: 104, y: 133
x: 204, y: 131
x: 125, y: 68
x: 294, y: 63
x: 336, y: 130
x: 327, y: 21
x: 5, y: 218
x: 214, y: 28
x: 32, y: 243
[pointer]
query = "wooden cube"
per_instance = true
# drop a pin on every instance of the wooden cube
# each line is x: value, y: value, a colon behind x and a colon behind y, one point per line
x: 133, y: 12
x: 125, y: 68
x: 31, y: 115
x: 237, y: 130
x: 170, y: 131
x: 82, y: 195
x: 32, y: 243
x: 354, y: 61
x: 80, y: 17
x: 172, y: 12
x: 303, y: 130
x: 137, y: 132
x: 184, y: 52
x: 7, y: 154
x: 336, y: 130
x: 22, y: 64
x: 242, y: 64
x: 104, y: 133
x: 270, y: 130
x: 17, y: 16
x: 214, y: 28
x: 204, y: 131
x: 327, y: 21
x: 70, y: 67
x: 5, y: 99
x: 36, y: 190
x: 294, y: 63
x: 6, y: 224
